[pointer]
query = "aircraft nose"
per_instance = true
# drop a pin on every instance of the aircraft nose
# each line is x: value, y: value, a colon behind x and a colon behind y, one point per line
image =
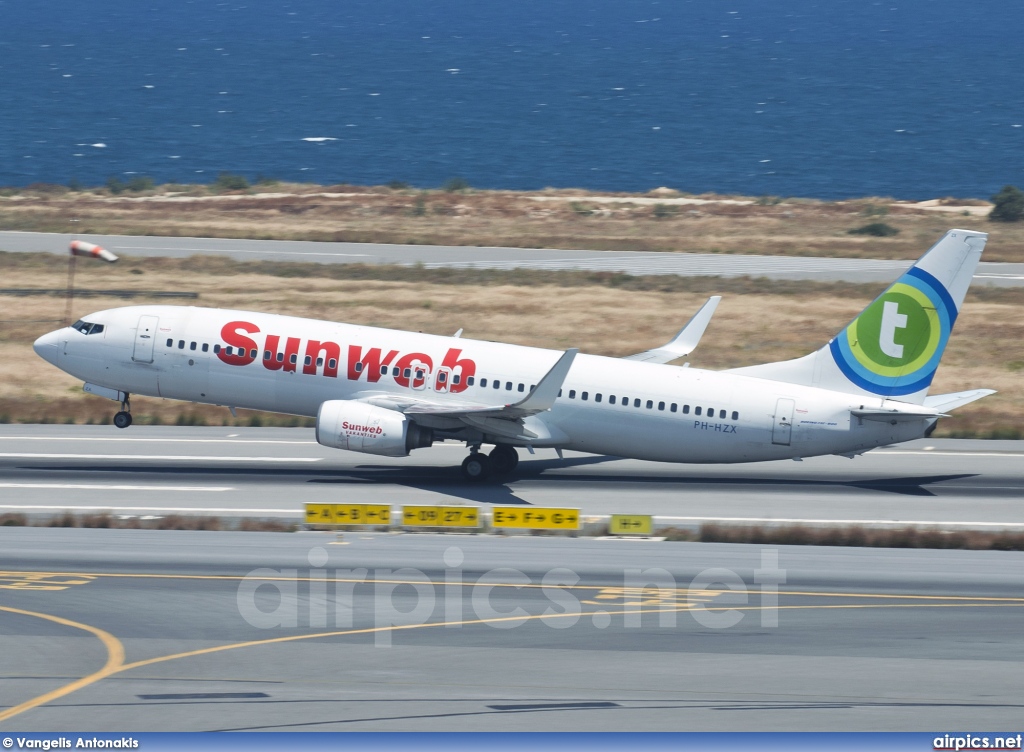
x: 48, y: 346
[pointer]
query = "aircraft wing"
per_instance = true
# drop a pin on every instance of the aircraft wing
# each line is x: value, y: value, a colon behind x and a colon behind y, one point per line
x: 513, y: 421
x: 542, y: 397
x: 685, y: 342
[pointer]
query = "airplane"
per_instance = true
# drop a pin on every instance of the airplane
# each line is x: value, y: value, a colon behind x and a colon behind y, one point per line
x: 387, y: 392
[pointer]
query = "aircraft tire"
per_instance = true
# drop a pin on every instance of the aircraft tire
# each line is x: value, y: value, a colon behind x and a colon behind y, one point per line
x: 476, y: 467
x: 504, y: 459
x: 123, y: 419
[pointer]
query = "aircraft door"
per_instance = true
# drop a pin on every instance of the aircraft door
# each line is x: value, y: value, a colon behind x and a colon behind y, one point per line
x: 442, y: 380
x: 782, y: 430
x: 145, y: 338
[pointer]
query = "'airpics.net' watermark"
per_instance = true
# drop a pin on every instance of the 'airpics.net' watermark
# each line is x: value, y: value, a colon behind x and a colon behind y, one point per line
x: 383, y: 601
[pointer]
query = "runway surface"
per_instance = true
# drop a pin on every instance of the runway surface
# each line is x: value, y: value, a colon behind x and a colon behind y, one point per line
x: 273, y: 472
x: 146, y: 630
x: 634, y: 263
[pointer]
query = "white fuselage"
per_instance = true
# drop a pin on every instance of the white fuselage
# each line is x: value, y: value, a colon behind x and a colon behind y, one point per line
x: 607, y: 405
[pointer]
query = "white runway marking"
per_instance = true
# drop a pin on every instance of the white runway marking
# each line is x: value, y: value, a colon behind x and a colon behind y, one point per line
x: 962, y: 453
x: 157, y: 441
x: 108, y: 508
x: 798, y: 521
x: 168, y: 458
x: 101, y: 487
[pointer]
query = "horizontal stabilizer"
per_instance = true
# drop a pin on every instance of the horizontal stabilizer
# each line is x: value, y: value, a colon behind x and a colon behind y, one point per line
x: 956, y: 399
x: 896, y: 416
x: 685, y: 342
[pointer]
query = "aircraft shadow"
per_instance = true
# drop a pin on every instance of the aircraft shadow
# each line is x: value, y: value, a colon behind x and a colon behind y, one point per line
x: 448, y: 480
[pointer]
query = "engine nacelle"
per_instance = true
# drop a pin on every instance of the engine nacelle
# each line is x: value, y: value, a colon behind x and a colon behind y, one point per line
x: 359, y: 427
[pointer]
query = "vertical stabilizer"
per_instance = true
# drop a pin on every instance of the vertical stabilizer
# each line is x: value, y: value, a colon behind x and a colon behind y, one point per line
x: 892, y: 349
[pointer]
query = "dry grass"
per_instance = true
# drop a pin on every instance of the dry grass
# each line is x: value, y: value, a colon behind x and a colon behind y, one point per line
x: 850, y: 535
x: 501, y: 218
x: 170, y: 522
x: 599, y: 313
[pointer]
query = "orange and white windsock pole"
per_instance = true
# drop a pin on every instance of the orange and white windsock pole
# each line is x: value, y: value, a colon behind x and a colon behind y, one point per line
x: 90, y: 250
x: 81, y: 248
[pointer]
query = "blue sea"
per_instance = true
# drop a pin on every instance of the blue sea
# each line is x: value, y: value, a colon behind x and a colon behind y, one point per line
x: 913, y: 99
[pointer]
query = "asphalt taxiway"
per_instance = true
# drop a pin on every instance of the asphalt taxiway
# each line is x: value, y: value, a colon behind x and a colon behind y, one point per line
x: 148, y: 630
x: 627, y: 262
x: 273, y: 472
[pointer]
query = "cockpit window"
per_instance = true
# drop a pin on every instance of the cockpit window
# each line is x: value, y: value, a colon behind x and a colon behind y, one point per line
x: 86, y: 327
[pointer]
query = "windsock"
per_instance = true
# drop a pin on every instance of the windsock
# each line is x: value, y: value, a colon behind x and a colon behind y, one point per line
x: 81, y: 248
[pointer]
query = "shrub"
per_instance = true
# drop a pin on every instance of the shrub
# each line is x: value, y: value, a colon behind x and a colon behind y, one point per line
x: 115, y: 185
x: 228, y: 182
x: 1009, y: 205
x: 454, y: 185
x: 140, y: 183
x: 877, y: 229
x: 662, y: 211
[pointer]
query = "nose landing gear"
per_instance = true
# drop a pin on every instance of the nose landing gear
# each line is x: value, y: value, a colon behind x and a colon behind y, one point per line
x: 123, y: 419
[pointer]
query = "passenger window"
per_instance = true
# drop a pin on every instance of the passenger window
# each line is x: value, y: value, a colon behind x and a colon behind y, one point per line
x: 216, y: 348
x: 559, y: 392
x: 650, y: 404
x: 266, y: 354
x: 508, y: 386
x: 308, y: 361
x: 170, y: 343
x: 483, y: 382
x: 696, y: 410
x: 496, y: 384
x: 293, y: 359
x: 228, y: 350
x: 206, y: 347
x: 584, y: 395
x: 735, y: 415
x: 572, y: 394
x: 442, y: 378
x: 359, y: 367
x: 181, y: 344
x: 395, y: 371
x: 597, y: 397
x: 192, y: 346
x: 280, y: 357
x: 383, y: 369
x: 522, y: 387
x: 686, y: 409
x: 673, y: 407
x: 407, y: 372
x: 711, y: 412
x: 332, y: 363
x: 419, y: 374
x: 636, y: 402
x: 611, y: 399
x: 721, y: 414
x: 457, y: 377
x: 252, y: 353
x: 661, y: 405
x: 319, y: 362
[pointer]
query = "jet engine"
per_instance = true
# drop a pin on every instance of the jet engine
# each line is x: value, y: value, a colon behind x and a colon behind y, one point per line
x: 359, y: 427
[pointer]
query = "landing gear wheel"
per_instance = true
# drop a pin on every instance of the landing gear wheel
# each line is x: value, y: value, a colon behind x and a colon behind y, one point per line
x: 476, y: 467
x: 504, y: 459
x: 123, y: 419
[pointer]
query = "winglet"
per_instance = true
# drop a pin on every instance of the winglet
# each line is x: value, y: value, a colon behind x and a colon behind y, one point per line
x: 542, y: 397
x: 685, y: 342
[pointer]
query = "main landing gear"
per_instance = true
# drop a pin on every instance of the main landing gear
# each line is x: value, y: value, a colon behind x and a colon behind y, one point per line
x: 123, y: 419
x: 502, y: 460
